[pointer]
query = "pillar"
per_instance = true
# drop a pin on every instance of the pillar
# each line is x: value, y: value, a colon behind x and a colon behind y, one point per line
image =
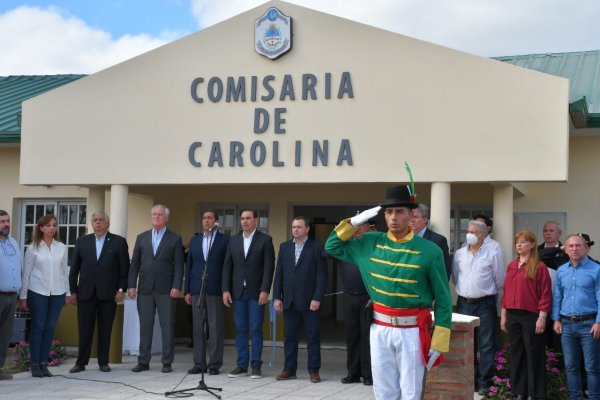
x: 118, y: 209
x: 503, y: 218
x: 118, y: 225
x: 95, y: 202
x: 440, y: 208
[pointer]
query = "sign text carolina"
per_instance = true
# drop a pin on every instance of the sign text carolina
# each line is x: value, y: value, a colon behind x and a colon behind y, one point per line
x: 306, y: 88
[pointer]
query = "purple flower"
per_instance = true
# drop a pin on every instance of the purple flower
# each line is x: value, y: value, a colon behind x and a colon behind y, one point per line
x: 499, y: 367
x: 493, y: 389
x: 502, y: 360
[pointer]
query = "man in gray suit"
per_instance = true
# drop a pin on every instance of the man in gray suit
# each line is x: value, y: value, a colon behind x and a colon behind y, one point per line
x: 158, y: 263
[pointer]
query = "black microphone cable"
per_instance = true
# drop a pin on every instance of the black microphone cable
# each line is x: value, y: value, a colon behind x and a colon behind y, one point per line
x: 168, y: 394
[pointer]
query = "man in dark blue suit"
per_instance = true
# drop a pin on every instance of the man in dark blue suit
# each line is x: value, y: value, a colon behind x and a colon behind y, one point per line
x: 419, y: 224
x: 97, y: 279
x: 298, y: 289
x: 247, y: 278
x: 208, y: 248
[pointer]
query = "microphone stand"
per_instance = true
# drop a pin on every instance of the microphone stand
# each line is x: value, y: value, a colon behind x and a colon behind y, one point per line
x: 201, y: 304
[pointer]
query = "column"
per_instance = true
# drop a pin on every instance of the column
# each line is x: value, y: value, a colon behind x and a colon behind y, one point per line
x: 503, y: 218
x: 118, y: 225
x: 440, y: 208
x: 118, y: 209
x: 95, y: 202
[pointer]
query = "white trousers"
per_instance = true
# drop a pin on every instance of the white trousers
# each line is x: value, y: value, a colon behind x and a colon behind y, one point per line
x: 397, y: 363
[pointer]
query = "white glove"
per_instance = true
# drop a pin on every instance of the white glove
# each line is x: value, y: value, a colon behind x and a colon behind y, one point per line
x: 433, y: 356
x: 364, y: 216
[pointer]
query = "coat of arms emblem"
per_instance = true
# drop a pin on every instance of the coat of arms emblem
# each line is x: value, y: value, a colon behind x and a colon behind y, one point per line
x: 273, y: 34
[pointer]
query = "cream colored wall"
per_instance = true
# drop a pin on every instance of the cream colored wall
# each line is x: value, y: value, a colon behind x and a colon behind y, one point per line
x: 12, y: 192
x: 579, y: 197
x: 413, y: 101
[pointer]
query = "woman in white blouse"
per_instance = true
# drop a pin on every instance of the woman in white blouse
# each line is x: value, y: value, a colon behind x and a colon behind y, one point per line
x: 45, y: 285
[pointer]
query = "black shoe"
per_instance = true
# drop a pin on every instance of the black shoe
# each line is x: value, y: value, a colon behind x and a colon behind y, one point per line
x: 166, y: 368
x: 368, y: 381
x: 77, y: 368
x: 213, y: 371
x: 104, y: 368
x: 196, y: 370
x: 36, y: 371
x: 350, y: 379
x: 140, y: 368
x: 44, y: 368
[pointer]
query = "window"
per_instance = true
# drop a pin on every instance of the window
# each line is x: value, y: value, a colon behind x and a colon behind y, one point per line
x: 459, y: 226
x: 71, y: 221
x: 229, y: 217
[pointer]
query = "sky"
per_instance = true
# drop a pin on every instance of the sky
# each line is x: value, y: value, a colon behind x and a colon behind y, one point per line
x: 40, y: 37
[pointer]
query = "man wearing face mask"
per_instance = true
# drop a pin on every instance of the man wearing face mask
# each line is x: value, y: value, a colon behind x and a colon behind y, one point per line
x: 478, y: 274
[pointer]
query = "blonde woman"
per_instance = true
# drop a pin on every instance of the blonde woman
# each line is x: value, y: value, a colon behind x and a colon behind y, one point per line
x: 45, y: 284
x: 526, y: 302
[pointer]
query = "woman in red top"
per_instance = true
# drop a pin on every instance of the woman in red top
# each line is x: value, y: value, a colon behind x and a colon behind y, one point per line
x: 526, y: 302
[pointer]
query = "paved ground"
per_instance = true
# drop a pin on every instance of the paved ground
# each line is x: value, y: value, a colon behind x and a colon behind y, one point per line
x: 99, y: 385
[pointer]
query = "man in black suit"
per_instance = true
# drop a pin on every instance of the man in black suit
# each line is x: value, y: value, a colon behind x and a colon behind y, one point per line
x: 97, y: 280
x: 357, y: 321
x: 298, y: 289
x: 158, y: 262
x: 419, y: 222
x: 247, y: 276
x: 209, y: 247
x: 550, y: 251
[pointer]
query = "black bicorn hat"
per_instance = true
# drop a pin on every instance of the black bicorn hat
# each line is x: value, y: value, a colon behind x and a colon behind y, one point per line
x: 399, y: 196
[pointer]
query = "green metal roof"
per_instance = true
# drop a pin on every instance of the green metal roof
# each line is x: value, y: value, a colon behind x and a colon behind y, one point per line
x: 16, y: 89
x: 582, y: 69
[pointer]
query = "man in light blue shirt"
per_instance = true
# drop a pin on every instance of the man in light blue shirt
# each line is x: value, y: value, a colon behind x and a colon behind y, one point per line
x: 10, y: 284
x: 576, y: 315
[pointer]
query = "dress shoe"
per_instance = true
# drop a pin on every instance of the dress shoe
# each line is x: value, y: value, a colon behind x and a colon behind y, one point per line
x: 196, y: 370
x: 368, y: 381
x: 314, y: 377
x: 166, y: 368
x: 140, y: 368
x: 77, y: 368
x: 286, y: 374
x: 104, y: 368
x: 213, y: 371
x: 350, y: 379
x: 44, y: 368
x: 36, y: 371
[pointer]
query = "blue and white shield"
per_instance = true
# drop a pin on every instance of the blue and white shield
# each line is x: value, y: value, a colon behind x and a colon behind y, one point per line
x: 273, y: 34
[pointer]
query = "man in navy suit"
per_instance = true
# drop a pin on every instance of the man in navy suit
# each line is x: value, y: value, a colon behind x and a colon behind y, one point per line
x: 298, y: 289
x: 208, y: 248
x: 247, y: 276
x: 97, y: 280
x: 157, y: 261
x: 419, y: 222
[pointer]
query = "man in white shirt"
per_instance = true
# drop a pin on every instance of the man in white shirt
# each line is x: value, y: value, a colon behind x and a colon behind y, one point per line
x: 478, y: 274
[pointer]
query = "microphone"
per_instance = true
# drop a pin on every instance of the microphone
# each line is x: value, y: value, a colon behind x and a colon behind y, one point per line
x: 215, y: 226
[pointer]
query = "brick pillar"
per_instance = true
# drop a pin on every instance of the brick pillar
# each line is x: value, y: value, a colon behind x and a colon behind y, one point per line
x: 453, y: 379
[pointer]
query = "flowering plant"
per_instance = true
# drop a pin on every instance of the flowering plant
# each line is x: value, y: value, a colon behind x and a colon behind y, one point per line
x: 20, y: 359
x: 556, y: 379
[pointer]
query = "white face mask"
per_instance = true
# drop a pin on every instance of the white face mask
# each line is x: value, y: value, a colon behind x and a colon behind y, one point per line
x: 471, y: 239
